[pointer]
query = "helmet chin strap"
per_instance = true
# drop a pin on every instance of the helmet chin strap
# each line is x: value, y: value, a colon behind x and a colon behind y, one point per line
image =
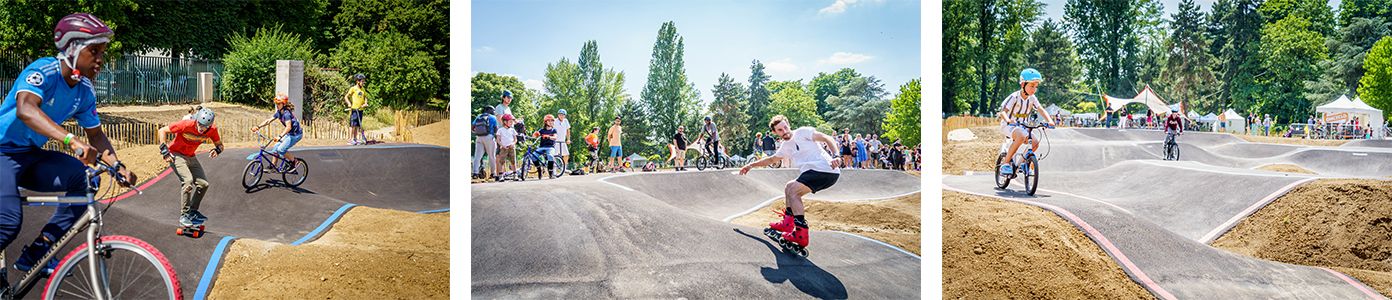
x: 70, y: 56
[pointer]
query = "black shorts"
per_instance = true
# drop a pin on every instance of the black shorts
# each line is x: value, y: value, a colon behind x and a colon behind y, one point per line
x: 355, y: 118
x: 817, y: 181
x: 845, y: 151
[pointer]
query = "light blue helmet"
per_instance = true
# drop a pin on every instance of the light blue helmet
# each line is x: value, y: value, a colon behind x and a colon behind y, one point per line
x: 1030, y: 74
x: 562, y: 112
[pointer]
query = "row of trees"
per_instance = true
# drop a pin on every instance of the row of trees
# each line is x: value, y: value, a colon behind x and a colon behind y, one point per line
x: 1278, y: 57
x: 403, y: 45
x: 593, y: 95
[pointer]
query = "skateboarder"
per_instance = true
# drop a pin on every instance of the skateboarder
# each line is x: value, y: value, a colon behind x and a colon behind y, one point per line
x: 181, y: 156
x: 808, y: 150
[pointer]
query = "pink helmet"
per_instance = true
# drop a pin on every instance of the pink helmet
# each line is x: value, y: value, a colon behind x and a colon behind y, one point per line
x: 75, y: 32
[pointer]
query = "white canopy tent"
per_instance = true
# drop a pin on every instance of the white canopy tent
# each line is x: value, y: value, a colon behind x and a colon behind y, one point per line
x: 1210, y: 118
x: 1055, y: 110
x: 1193, y: 115
x: 1344, y: 110
x: 1232, y: 122
x: 1086, y: 116
x: 1146, y: 96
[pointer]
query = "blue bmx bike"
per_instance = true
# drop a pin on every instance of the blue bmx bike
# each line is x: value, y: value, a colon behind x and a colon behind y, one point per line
x: 266, y: 161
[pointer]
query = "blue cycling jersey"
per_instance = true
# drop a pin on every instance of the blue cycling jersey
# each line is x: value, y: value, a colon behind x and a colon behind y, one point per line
x: 61, y: 102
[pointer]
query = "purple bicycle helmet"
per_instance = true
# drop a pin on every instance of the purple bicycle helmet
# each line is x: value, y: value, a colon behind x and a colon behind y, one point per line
x: 74, y: 33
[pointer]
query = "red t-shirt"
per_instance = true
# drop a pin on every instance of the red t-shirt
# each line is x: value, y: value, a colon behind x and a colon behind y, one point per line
x: 187, y: 138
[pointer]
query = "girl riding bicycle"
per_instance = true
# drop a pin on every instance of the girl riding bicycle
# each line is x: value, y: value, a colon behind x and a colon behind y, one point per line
x: 49, y: 91
x: 285, y: 113
x: 546, y: 144
x: 182, y: 157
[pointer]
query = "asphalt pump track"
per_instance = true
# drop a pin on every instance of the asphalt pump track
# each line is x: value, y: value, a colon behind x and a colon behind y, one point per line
x: 667, y: 235
x: 403, y: 177
x: 1156, y: 218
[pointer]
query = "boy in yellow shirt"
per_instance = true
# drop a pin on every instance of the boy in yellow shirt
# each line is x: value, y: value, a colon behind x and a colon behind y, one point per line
x: 356, y: 98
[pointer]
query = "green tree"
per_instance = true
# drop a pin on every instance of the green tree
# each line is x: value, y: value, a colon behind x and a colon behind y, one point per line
x: 398, y: 66
x: 727, y: 111
x: 957, y: 54
x: 1294, y: 48
x: 1188, y: 72
x: 1052, y: 54
x: 26, y: 26
x: 564, y: 90
x: 1106, y: 35
x: 1375, y: 87
x: 826, y: 85
x: 167, y: 26
x: 1236, y: 28
x: 797, y: 105
x: 669, y: 98
x: 1150, y: 40
x: 1348, y: 49
x: 1316, y: 12
x: 860, y: 106
x: 486, y: 89
x: 425, y: 21
x: 758, y: 95
x: 1367, y: 9
x: 250, y: 66
x: 903, y: 119
x: 1010, y: 39
x: 777, y: 86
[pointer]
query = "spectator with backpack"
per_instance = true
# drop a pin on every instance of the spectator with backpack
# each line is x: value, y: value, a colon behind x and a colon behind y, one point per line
x: 485, y: 128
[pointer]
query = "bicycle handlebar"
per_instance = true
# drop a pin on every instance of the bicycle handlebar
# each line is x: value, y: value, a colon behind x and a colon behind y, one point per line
x: 102, y: 167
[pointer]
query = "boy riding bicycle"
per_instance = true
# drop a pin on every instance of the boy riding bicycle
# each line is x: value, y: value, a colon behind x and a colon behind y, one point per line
x: 1173, y: 126
x: 52, y: 90
x: 1016, y: 109
x: 182, y: 157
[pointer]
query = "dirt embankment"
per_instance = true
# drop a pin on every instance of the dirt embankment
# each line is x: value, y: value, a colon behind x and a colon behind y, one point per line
x: 1344, y: 224
x: 1287, y: 168
x: 1290, y: 141
x: 995, y: 249
x: 894, y: 221
x: 975, y: 155
x: 369, y: 254
x: 433, y: 134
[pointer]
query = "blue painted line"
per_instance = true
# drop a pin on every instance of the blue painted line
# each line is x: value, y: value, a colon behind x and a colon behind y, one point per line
x: 208, y: 272
x: 433, y: 211
x: 325, y: 225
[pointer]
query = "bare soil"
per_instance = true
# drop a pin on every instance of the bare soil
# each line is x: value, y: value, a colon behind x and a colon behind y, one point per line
x: 995, y: 249
x: 1290, y: 141
x: 368, y: 254
x: 893, y: 221
x: 432, y: 134
x: 975, y: 155
x: 1287, y: 168
x: 1344, y: 224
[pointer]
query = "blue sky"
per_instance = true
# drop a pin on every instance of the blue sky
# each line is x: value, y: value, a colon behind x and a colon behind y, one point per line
x: 794, y: 39
x: 1054, y: 8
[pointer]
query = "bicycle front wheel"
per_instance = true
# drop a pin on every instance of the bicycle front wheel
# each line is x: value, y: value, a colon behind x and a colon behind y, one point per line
x: 297, y: 173
x: 127, y: 268
x: 252, y: 175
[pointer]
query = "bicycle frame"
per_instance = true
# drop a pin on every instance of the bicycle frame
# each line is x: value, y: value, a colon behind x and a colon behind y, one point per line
x: 265, y: 156
x: 92, y: 218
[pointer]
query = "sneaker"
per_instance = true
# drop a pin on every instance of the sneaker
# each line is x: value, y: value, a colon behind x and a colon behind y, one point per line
x: 352, y: 142
x: 32, y: 254
x: 198, y: 217
x: 186, y: 219
x: 1006, y: 169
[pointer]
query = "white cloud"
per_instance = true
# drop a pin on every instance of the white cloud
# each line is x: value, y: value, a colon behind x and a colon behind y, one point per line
x: 534, y: 84
x: 485, y: 49
x: 844, y: 58
x: 840, y: 6
x: 781, y: 67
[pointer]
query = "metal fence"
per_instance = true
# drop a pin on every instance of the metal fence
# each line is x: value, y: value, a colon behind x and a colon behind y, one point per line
x: 136, y: 79
x: 130, y: 133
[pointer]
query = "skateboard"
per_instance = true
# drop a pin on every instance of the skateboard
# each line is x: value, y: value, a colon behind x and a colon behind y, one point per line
x: 193, y: 231
x: 788, y: 247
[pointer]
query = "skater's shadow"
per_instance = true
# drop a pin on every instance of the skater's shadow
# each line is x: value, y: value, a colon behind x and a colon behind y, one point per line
x: 802, y: 273
x: 274, y: 183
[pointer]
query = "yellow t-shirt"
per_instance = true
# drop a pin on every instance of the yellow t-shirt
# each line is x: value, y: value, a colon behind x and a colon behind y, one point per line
x: 357, y: 97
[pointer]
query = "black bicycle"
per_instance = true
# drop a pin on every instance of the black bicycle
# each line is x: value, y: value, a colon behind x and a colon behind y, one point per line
x: 707, y: 160
x: 105, y: 266
x: 1171, y: 146
x: 1029, y: 167
x: 292, y: 175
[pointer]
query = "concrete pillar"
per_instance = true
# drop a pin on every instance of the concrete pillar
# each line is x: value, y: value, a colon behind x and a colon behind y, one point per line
x: 290, y: 81
x: 205, y: 87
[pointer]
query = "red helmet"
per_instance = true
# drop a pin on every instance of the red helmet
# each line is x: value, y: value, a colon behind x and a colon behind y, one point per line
x: 507, y: 117
x: 75, y: 32
x: 282, y: 99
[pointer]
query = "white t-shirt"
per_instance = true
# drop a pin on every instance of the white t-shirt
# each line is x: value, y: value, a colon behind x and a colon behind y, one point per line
x: 805, y: 152
x: 562, y: 131
x: 1018, y: 109
x: 502, y: 109
x: 507, y: 136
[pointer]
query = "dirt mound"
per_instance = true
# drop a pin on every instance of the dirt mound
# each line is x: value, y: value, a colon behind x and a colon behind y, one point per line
x: 433, y: 134
x: 1290, y: 141
x: 1287, y: 168
x: 1341, y: 223
x: 893, y: 221
x: 975, y: 155
x: 993, y: 249
x: 369, y: 254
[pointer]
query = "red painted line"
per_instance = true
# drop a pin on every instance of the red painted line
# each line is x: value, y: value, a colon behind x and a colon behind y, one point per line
x: 1355, y: 283
x: 142, y: 187
x: 1101, y: 240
